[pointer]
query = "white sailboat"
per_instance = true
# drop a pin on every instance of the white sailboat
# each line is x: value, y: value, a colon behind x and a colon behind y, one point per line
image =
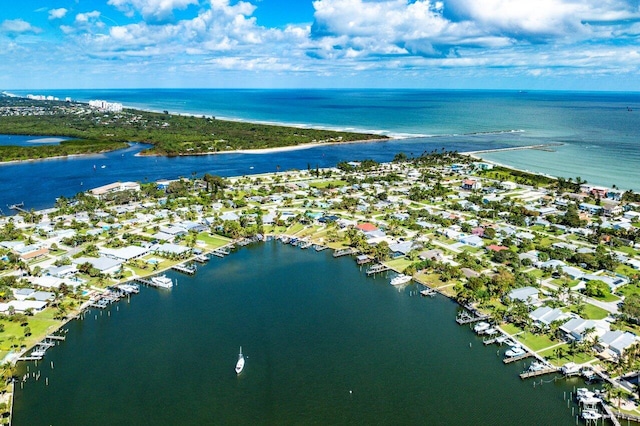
x: 240, y: 363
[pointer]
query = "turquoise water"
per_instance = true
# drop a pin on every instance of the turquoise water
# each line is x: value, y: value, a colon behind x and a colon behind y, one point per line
x: 599, y: 135
x: 324, y: 345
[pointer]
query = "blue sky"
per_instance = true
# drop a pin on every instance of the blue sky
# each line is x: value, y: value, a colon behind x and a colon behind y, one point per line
x: 464, y: 44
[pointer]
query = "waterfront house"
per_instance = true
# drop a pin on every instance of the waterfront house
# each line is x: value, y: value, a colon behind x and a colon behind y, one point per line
x: 401, y: 249
x: 433, y: 254
x: 105, y: 265
x: 171, y: 249
x: 22, y: 306
x: 614, y: 343
x: 101, y: 191
x: 125, y: 253
x: 578, y: 328
x: 545, y: 315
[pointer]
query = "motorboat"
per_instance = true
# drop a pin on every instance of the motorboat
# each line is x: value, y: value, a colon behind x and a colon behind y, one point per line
x: 515, y: 351
x: 162, y: 281
x: 570, y: 369
x: 240, y: 363
x: 401, y: 279
x: 536, y: 366
x: 591, y: 415
x: 481, y: 327
x: 490, y: 331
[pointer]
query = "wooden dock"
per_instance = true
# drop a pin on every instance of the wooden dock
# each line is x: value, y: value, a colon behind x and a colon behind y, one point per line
x: 511, y: 359
x: 55, y: 337
x: 377, y: 268
x: 221, y: 252
x: 30, y: 358
x: 549, y: 370
x: 470, y: 319
x: 343, y: 252
x: 428, y: 292
x: 189, y: 270
x: 18, y: 207
x: 614, y: 416
x: 319, y: 247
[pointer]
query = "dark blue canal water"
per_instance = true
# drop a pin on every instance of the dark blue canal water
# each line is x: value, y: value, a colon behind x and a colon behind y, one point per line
x: 324, y: 345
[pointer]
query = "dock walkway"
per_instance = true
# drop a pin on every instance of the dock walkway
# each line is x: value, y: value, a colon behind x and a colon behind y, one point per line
x: 544, y: 371
x: 377, y: 268
x: 511, y: 359
x: 467, y: 318
x: 189, y: 270
x: 343, y: 252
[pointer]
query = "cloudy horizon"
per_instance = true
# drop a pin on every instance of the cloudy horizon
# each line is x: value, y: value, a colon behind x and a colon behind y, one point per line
x: 464, y: 44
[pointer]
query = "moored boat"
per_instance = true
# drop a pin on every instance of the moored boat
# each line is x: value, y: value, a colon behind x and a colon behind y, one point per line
x: 240, y: 363
x: 515, y: 351
x: 401, y: 279
x: 591, y: 415
x: 481, y: 327
x: 162, y: 281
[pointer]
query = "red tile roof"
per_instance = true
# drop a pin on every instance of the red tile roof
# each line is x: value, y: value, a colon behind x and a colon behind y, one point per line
x: 366, y: 227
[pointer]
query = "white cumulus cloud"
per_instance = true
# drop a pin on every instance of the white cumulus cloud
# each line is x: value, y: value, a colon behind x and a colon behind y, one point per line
x: 57, y: 13
x: 152, y: 10
x: 15, y: 27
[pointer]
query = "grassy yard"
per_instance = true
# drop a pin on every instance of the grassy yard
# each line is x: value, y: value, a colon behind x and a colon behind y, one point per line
x: 578, y: 358
x: 13, y: 335
x: 629, y: 289
x: 213, y: 241
x: 534, y: 342
x: 432, y: 280
x: 627, y: 271
x: 328, y: 184
x: 590, y: 312
x: 398, y: 264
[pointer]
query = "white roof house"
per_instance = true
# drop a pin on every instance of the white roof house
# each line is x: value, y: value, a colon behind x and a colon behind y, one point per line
x: 124, y: 253
x: 545, y: 315
x: 528, y: 295
x: 576, y: 327
x: 616, y: 342
x: 105, y: 265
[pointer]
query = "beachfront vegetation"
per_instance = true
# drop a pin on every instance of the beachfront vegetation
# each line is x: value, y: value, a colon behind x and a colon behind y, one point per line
x: 169, y: 134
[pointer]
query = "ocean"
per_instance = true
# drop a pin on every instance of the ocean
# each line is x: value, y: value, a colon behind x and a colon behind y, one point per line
x: 599, y: 133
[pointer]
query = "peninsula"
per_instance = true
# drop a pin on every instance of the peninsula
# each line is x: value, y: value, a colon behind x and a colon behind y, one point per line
x: 96, y: 129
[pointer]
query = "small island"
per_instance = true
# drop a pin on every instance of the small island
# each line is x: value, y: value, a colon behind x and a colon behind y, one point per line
x: 97, y: 129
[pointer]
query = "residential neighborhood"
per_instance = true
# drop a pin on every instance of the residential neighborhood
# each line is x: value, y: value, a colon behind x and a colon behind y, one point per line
x: 552, y: 263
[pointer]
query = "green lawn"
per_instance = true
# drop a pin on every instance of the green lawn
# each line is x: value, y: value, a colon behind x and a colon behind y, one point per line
x: 13, y: 335
x: 608, y: 298
x: 578, y: 358
x: 295, y: 228
x: 213, y: 241
x: 533, y: 341
x: 591, y: 312
x: 629, y: 289
x: 329, y: 183
x: 398, y: 264
x: 627, y: 271
x: 537, y: 273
